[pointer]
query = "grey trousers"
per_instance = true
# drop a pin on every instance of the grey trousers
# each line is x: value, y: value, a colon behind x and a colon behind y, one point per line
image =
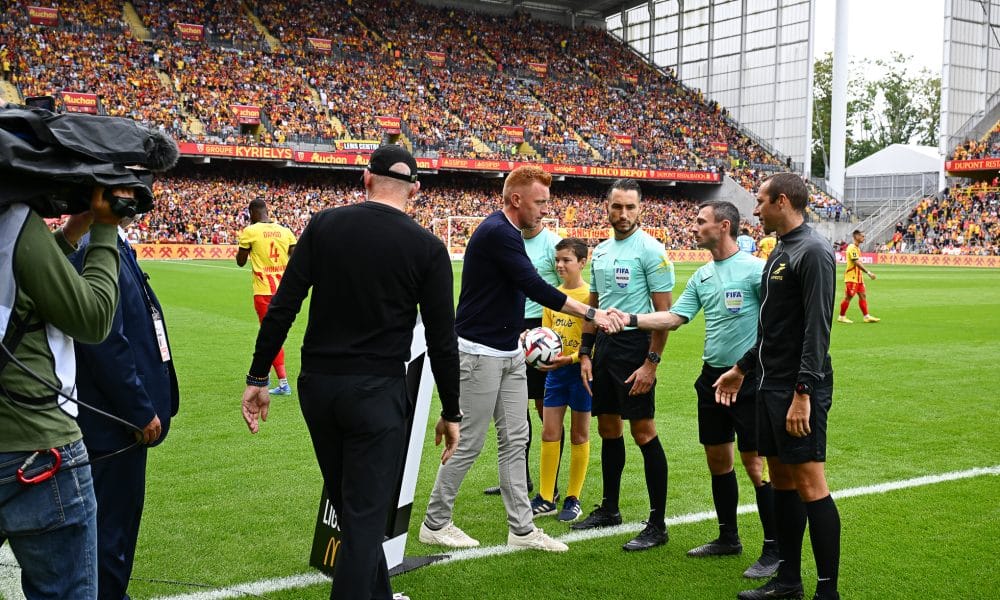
x: 492, y: 389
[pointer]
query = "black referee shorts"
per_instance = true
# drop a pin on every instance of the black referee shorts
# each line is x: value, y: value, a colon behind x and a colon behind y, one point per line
x: 719, y: 424
x: 536, y: 378
x: 616, y: 357
x: 774, y: 440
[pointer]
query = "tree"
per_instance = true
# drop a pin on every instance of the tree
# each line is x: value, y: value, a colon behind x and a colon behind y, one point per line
x: 886, y: 105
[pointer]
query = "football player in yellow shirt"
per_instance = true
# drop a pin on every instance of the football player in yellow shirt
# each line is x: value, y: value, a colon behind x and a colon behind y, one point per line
x: 854, y: 281
x: 269, y: 246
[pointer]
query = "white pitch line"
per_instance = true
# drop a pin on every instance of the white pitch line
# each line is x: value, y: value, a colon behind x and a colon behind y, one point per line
x: 307, y: 579
x: 10, y: 577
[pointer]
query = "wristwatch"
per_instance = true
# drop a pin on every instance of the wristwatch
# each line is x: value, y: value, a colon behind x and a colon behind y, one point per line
x: 804, y: 389
x: 653, y: 357
x: 633, y: 320
x: 590, y: 314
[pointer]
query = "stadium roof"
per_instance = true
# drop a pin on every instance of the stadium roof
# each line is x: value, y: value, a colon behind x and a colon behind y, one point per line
x: 898, y: 159
x: 594, y: 9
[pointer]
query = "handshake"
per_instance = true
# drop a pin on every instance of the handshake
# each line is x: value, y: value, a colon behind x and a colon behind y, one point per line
x: 613, y: 320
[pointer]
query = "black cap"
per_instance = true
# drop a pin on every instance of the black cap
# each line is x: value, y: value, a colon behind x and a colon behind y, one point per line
x: 388, y: 155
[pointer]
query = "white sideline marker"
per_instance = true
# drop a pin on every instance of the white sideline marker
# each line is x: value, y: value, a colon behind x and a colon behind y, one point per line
x: 10, y: 588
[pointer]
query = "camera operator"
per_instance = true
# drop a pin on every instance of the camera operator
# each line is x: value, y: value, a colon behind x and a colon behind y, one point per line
x: 51, y: 527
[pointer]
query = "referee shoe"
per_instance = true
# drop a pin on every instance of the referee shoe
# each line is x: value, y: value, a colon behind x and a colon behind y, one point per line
x: 773, y: 589
x: 600, y: 517
x: 650, y: 537
x: 717, y: 547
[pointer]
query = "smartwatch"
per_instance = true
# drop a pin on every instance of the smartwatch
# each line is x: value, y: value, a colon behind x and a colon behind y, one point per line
x: 590, y: 314
x: 633, y: 320
x: 803, y: 388
x: 653, y: 357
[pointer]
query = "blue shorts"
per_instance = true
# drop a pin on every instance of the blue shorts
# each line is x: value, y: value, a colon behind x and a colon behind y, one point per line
x: 564, y: 387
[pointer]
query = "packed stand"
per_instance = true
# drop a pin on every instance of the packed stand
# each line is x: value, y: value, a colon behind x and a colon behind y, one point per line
x: 965, y: 220
x: 223, y: 20
x: 978, y: 149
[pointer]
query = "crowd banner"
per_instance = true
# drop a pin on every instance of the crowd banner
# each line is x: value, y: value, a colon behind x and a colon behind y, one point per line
x: 366, y: 146
x: 80, y: 103
x: 624, y: 141
x: 719, y: 146
x: 43, y: 15
x: 358, y: 158
x: 514, y: 134
x: 327, y: 536
x: 190, y: 31
x: 630, y: 78
x: 539, y: 69
x: 246, y: 114
x: 438, y: 59
x: 389, y: 125
x: 321, y: 45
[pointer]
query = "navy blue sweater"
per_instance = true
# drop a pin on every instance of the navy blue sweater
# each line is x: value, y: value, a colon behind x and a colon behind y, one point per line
x: 496, y: 277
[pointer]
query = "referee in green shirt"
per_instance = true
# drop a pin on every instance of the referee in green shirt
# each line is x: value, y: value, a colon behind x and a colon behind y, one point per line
x: 727, y: 289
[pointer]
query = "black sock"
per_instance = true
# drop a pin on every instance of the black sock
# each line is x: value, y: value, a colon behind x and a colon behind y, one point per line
x: 824, y: 532
x: 765, y: 509
x: 726, y: 495
x: 655, y: 462
x: 612, y: 465
x: 790, y: 516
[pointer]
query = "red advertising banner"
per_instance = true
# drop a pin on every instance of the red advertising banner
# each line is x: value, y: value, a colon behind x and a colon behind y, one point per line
x: 939, y: 260
x: 981, y: 164
x: 624, y: 140
x: 190, y: 31
x: 389, y: 125
x: 80, y: 103
x: 719, y: 146
x: 540, y: 69
x: 184, y: 251
x: 246, y: 114
x: 357, y: 145
x: 630, y: 78
x: 252, y: 152
x: 360, y: 159
x: 514, y: 134
x: 437, y: 58
x: 43, y: 15
x: 321, y: 45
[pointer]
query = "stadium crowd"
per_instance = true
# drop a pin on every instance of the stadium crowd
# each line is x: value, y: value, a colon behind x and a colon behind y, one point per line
x: 976, y: 149
x: 965, y: 220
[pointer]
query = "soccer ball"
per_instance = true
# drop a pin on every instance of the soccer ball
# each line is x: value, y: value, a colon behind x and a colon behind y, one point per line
x: 541, y: 346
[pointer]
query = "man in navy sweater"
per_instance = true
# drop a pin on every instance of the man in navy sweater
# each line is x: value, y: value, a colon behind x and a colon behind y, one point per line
x: 496, y: 277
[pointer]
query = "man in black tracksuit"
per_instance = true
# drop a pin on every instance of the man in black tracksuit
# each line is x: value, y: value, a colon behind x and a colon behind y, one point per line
x: 792, y: 360
x: 369, y: 266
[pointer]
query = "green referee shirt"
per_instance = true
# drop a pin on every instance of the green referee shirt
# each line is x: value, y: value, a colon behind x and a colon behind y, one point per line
x: 541, y: 250
x: 729, y: 292
x: 624, y: 273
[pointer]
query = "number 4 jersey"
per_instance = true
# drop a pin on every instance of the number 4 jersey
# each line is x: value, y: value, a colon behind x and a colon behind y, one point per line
x: 268, y: 245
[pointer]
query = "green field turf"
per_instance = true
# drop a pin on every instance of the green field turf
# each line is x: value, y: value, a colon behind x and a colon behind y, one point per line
x: 915, y: 395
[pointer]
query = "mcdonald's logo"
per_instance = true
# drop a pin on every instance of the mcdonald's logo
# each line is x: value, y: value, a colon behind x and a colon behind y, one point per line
x: 330, y: 554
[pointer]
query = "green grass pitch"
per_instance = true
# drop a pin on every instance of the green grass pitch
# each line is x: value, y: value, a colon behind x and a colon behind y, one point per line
x: 916, y: 395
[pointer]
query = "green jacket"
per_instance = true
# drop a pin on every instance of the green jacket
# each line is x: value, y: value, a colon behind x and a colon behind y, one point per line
x: 51, y: 294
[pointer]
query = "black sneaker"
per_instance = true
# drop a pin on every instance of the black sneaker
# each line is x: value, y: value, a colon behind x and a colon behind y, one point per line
x: 766, y: 565
x: 599, y: 518
x: 650, y: 537
x: 717, y: 547
x: 773, y: 589
x: 835, y: 596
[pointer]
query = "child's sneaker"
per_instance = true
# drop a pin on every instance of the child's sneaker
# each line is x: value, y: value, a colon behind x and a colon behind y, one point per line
x: 571, y: 510
x: 541, y: 507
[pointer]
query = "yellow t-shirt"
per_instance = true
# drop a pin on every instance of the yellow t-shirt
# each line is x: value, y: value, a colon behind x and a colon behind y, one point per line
x: 853, y: 272
x: 268, y: 245
x: 568, y: 327
x: 766, y: 246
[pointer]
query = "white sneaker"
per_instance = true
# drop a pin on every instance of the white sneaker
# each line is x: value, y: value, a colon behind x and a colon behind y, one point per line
x: 449, y: 535
x: 536, y: 540
x: 398, y: 596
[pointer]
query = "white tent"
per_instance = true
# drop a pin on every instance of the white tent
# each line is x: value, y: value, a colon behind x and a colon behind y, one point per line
x: 898, y: 159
